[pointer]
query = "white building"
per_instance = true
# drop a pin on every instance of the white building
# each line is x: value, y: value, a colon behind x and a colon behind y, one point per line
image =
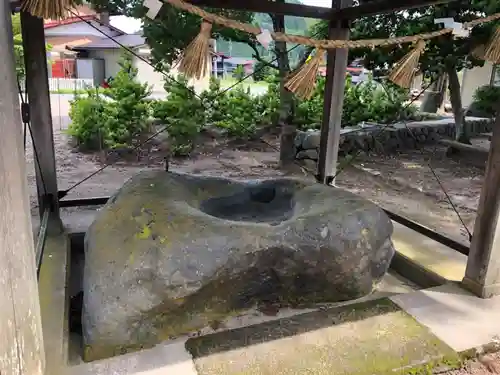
x: 81, y: 47
x: 472, y: 79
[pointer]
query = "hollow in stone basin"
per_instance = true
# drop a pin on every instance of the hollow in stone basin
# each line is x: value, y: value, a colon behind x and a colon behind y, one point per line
x: 262, y: 203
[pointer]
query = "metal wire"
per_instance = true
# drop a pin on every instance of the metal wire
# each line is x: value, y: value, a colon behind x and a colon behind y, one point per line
x: 433, y: 171
x: 63, y: 193
x: 340, y: 170
x: 381, y: 130
x: 131, y: 51
x: 40, y: 242
x: 204, y: 104
x: 23, y: 100
x: 27, y: 125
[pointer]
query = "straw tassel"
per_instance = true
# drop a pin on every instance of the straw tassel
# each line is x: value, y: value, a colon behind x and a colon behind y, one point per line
x: 404, y: 71
x: 48, y: 9
x: 303, y: 81
x: 196, y: 57
x: 492, y: 49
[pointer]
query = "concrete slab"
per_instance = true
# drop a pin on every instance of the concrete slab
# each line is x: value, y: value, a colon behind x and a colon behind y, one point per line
x: 75, y: 219
x: 172, y: 357
x: 392, y: 284
x: 460, y: 319
x: 430, y: 254
x: 369, y: 338
x: 165, y: 359
x: 54, y: 302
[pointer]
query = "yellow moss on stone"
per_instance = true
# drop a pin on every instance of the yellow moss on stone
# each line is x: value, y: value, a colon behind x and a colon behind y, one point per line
x: 145, y: 233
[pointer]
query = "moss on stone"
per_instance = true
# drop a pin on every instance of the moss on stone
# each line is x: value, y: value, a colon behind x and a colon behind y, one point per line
x: 145, y: 233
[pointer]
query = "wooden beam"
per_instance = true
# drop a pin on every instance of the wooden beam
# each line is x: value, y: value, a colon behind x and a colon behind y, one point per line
x: 21, y: 342
x: 370, y: 8
x: 262, y: 6
x: 367, y: 8
x: 333, y: 100
x: 482, y: 275
x: 35, y: 61
x: 266, y: 6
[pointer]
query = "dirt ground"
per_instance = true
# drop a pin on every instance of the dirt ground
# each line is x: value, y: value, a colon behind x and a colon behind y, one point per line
x: 485, y: 365
x: 401, y: 183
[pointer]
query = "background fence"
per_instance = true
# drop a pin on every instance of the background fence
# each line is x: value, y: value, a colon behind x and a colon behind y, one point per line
x: 70, y: 84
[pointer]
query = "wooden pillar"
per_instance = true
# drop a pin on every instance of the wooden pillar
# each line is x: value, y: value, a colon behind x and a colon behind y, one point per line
x: 35, y: 57
x: 482, y: 275
x: 21, y: 344
x: 334, y: 99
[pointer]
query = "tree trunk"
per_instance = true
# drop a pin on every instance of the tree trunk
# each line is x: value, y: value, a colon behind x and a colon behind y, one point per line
x: 461, y: 128
x: 288, y: 131
x: 434, y: 97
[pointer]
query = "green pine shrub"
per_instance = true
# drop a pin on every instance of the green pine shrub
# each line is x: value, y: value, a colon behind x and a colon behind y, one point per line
x: 183, y: 113
x: 117, y: 118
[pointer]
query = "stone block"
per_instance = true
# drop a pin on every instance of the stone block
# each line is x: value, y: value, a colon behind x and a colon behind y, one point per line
x: 308, y: 154
x: 299, y: 139
x: 172, y: 253
x: 311, y: 141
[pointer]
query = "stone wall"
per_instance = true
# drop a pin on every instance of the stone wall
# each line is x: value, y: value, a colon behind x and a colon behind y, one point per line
x: 386, y: 139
